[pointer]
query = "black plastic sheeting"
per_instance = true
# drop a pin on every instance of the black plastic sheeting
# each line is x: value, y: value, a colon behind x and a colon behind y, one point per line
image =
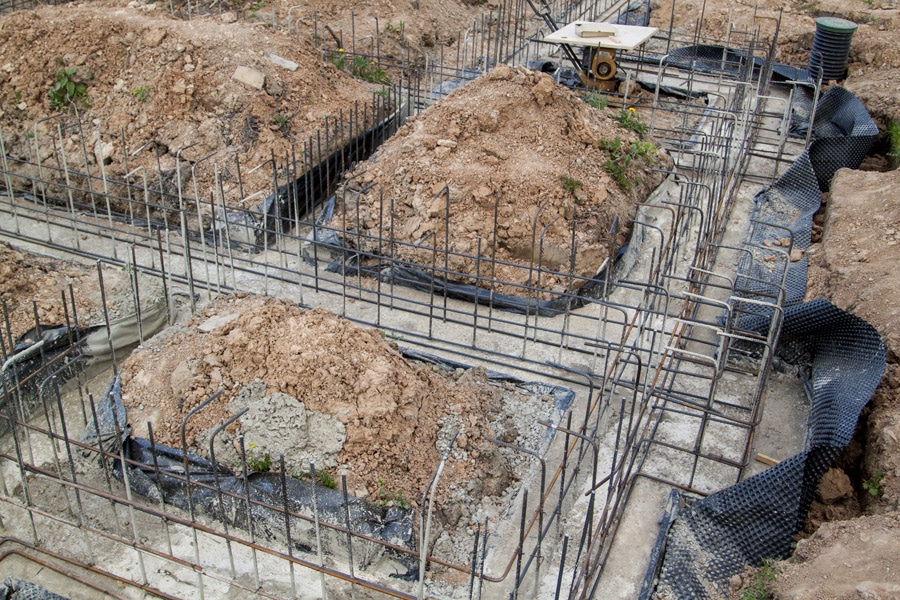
x: 842, y: 134
x: 256, y: 502
x: 350, y: 262
x: 279, y: 212
x: 841, y: 357
x: 61, y: 345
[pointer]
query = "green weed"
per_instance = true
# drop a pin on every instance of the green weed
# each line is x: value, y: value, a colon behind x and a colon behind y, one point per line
x: 893, y: 132
x: 759, y: 580
x: 260, y: 465
x: 621, y: 157
x: 629, y: 119
x: 368, y: 71
x: 390, y: 28
x: 66, y: 92
x: 322, y: 478
x: 571, y: 184
x: 279, y: 119
x: 873, y: 483
x: 141, y: 93
x: 386, y: 497
x: 598, y: 101
x: 361, y: 68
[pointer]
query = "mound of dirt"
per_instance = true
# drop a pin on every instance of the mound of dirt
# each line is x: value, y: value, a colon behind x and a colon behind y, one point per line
x: 26, y: 278
x: 211, y: 85
x: 529, y: 168
x: 320, y: 388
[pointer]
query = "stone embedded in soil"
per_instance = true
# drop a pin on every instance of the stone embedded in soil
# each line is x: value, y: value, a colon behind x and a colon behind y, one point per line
x: 250, y: 77
x: 834, y: 486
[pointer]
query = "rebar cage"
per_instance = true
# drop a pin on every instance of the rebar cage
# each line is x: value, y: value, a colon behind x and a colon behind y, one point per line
x: 669, y: 378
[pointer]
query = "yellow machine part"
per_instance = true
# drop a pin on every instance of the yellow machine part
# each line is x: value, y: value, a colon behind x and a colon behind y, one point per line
x: 603, y: 72
x: 603, y: 66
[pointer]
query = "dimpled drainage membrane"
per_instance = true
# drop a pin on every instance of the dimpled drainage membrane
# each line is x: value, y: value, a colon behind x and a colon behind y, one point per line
x: 841, y: 357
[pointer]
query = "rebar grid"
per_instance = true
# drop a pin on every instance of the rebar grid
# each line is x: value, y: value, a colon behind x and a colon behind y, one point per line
x: 653, y: 348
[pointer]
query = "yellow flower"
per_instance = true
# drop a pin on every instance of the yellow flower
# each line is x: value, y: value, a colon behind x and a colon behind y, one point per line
x: 340, y: 49
x: 631, y: 108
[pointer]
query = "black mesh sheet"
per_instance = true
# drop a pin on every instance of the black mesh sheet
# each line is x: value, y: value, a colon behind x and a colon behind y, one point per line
x: 842, y: 134
x: 14, y: 589
x: 842, y: 359
x: 716, y: 536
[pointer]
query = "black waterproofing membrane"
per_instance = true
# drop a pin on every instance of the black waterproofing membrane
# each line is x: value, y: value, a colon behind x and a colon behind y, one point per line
x: 56, y: 345
x: 841, y: 358
x: 342, y: 259
x: 256, y: 502
x: 293, y: 201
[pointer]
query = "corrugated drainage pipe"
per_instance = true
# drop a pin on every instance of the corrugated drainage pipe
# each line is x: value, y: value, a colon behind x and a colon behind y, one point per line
x: 831, y: 48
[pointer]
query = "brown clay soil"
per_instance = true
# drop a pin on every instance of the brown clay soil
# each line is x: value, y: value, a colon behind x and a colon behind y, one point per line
x: 27, y: 278
x: 514, y: 144
x: 390, y: 417
x: 152, y: 79
x: 158, y: 82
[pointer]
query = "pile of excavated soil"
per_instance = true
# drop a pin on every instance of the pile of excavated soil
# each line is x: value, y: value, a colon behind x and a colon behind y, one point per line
x: 845, y: 559
x: 151, y: 78
x: 320, y: 388
x: 400, y: 29
x: 516, y: 136
x: 27, y: 278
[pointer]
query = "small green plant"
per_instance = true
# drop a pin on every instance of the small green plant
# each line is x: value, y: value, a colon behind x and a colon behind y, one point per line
x: 368, y: 71
x: 893, y: 133
x: 598, y: 101
x: 621, y: 158
x: 66, y: 92
x: 338, y: 59
x: 141, y: 93
x: 571, y: 184
x: 809, y: 7
x: 629, y: 119
x: 873, y: 483
x: 361, y: 68
x: 391, y: 28
x: 279, y: 119
x: 386, y: 497
x: 759, y: 580
x: 260, y: 465
x: 324, y: 479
